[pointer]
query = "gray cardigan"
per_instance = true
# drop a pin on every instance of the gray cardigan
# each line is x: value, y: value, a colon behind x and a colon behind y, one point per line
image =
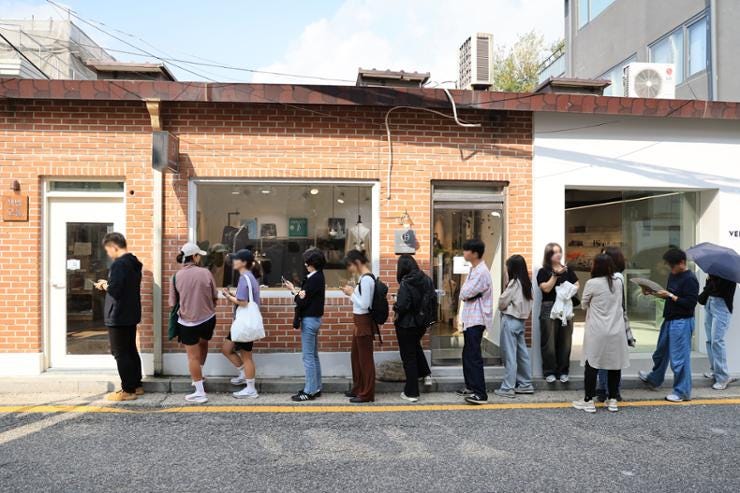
x: 512, y: 301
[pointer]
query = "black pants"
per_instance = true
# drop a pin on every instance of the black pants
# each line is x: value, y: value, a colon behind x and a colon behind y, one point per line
x: 590, y: 375
x: 472, y: 361
x: 556, y: 341
x: 414, y: 362
x: 123, y: 348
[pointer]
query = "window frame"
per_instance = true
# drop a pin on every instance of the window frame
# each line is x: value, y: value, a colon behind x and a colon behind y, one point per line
x: 621, y: 65
x: 193, y: 184
x: 589, y: 18
x: 684, y: 29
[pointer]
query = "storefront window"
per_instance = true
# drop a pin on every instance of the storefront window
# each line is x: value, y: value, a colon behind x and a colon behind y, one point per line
x: 278, y: 222
x: 644, y: 224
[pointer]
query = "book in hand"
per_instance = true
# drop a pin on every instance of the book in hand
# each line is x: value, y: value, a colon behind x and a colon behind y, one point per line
x: 647, y: 283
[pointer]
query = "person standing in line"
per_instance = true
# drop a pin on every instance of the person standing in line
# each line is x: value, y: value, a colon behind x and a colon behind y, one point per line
x: 363, y: 363
x: 123, y: 314
x: 604, y: 340
x: 477, y: 315
x: 240, y: 353
x: 717, y: 298
x: 620, y: 265
x: 515, y: 304
x: 194, y: 289
x: 674, y: 340
x: 309, y: 300
x: 556, y: 339
x: 412, y: 284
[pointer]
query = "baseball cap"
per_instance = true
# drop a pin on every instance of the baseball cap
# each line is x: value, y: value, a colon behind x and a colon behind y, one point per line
x: 189, y: 249
x: 218, y: 248
x: 244, y: 255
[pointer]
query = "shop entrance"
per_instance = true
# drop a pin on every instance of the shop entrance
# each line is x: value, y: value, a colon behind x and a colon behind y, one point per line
x: 460, y: 213
x: 76, y: 259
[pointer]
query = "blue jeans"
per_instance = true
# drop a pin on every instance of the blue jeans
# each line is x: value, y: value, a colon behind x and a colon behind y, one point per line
x: 716, y: 323
x: 310, y: 348
x: 472, y: 361
x: 674, y: 347
x: 518, y: 369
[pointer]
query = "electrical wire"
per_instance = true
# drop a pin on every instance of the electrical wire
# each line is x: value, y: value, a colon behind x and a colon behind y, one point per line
x: 17, y: 50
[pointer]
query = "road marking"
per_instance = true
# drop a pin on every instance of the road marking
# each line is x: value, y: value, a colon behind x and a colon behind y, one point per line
x: 339, y: 408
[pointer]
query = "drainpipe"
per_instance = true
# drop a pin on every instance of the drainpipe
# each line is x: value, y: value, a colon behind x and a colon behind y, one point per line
x: 153, y: 106
x: 713, y: 47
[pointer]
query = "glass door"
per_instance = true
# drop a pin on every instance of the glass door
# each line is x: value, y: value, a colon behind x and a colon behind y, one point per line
x: 453, y: 223
x: 78, y: 336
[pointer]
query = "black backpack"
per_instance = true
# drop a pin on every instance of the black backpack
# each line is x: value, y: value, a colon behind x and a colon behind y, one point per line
x: 379, y: 309
x: 428, y: 308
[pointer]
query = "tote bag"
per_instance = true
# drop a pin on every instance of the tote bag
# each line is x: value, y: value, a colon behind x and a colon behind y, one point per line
x: 173, y: 329
x: 247, y: 325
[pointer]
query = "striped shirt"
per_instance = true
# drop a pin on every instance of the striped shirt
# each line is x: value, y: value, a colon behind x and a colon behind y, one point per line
x: 478, y: 311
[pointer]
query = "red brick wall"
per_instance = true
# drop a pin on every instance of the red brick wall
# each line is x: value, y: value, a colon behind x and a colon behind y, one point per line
x: 46, y: 139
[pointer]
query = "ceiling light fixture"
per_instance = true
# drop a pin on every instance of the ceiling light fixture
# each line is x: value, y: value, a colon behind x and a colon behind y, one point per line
x: 265, y: 191
x: 340, y: 199
x: 314, y: 191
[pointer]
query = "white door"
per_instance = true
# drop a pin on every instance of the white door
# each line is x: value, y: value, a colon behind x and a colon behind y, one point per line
x: 78, y: 338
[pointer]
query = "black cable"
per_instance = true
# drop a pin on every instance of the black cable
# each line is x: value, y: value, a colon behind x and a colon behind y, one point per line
x: 23, y: 55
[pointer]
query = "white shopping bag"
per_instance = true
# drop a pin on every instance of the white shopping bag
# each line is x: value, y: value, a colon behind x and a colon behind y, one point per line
x: 247, y: 325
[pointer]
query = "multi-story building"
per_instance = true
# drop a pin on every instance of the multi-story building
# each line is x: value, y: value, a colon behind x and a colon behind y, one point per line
x: 699, y: 36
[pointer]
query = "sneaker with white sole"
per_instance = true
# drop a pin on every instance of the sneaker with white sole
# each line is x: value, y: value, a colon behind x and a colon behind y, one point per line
x: 720, y: 385
x: 564, y: 378
x: 550, y: 378
x: 524, y: 390
x: 238, y: 381
x: 509, y: 394
x: 428, y: 381
x: 584, y: 405
x: 612, y: 405
x: 197, y: 398
x: 708, y: 374
x: 407, y: 398
x: 674, y: 398
x: 246, y: 393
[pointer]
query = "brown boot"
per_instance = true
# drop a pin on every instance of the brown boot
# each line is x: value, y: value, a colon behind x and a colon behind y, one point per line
x: 139, y: 391
x: 120, y: 396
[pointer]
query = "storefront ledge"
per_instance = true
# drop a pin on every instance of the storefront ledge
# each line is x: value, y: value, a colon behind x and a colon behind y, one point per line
x: 21, y: 364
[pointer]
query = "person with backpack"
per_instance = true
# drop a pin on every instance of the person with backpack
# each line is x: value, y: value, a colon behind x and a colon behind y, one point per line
x: 193, y: 290
x: 477, y: 315
x: 367, y: 309
x: 515, y: 304
x: 414, y: 310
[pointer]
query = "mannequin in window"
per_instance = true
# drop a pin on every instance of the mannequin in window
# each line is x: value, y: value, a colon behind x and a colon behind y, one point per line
x: 358, y: 238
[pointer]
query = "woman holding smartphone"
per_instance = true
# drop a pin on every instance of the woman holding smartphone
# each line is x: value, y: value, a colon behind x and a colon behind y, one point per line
x: 240, y: 353
x: 309, y: 300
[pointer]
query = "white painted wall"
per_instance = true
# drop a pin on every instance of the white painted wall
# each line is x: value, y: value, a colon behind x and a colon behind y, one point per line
x: 592, y: 152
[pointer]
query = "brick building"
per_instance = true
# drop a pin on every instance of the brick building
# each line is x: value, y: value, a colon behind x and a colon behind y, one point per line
x: 274, y: 168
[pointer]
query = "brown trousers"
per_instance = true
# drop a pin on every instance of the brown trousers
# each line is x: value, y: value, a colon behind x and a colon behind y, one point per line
x: 363, y: 363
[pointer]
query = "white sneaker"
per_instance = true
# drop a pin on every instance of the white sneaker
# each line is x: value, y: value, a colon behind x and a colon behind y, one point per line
x: 238, y: 381
x: 709, y: 375
x: 612, y: 405
x: 550, y: 379
x: 583, y: 405
x: 196, y: 398
x: 564, y: 378
x: 407, y: 398
x: 720, y: 385
x: 246, y: 393
x: 674, y: 398
x: 428, y: 381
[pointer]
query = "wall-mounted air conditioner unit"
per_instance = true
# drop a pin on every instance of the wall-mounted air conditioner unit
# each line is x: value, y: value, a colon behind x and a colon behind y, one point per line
x: 475, y: 62
x: 650, y: 80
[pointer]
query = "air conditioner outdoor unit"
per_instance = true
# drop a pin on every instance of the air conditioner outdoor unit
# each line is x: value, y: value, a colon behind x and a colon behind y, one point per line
x: 475, y: 62
x: 650, y: 80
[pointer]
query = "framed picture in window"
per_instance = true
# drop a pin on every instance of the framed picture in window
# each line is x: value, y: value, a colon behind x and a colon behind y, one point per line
x: 268, y: 230
x: 337, y: 228
x: 297, y: 227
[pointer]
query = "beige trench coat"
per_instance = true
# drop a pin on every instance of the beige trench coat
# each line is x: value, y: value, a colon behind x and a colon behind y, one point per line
x: 604, y: 339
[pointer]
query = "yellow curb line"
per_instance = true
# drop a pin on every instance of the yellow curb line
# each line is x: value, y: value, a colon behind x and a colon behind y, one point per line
x: 112, y: 409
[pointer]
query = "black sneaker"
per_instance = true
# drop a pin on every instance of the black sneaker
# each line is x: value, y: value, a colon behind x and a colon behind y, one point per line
x: 476, y: 399
x: 302, y: 397
x: 317, y: 394
x: 464, y: 392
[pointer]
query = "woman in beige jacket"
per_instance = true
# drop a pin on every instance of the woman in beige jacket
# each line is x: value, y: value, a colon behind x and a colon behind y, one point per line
x: 605, y: 339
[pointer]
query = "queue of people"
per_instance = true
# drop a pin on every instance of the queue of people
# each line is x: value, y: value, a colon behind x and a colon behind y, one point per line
x: 607, y: 332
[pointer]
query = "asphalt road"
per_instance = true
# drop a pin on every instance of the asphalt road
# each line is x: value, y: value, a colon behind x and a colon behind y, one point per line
x: 661, y: 448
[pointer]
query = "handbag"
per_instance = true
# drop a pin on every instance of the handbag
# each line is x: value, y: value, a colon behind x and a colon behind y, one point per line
x: 247, y: 325
x: 173, y: 327
x: 631, y: 341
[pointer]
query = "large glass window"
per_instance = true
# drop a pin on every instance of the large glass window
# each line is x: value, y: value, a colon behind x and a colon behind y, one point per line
x: 644, y: 224
x: 697, y: 46
x: 670, y: 50
x: 686, y: 47
x: 278, y: 222
x: 589, y: 9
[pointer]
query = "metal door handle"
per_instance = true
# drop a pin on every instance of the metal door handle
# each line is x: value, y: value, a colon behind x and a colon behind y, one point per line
x: 58, y: 285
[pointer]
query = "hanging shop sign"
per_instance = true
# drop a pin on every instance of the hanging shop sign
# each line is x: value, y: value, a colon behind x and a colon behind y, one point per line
x: 165, y: 151
x: 15, y: 207
x: 405, y: 241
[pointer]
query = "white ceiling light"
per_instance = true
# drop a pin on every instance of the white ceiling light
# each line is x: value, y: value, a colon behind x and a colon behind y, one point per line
x: 314, y: 191
x: 265, y: 191
x: 340, y: 199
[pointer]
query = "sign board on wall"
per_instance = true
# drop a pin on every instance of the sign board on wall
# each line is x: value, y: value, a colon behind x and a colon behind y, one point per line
x: 15, y: 207
x: 405, y: 241
x: 165, y: 151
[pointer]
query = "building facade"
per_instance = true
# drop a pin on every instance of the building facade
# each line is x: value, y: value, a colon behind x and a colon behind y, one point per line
x: 280, y: 168
x: 698, y: 36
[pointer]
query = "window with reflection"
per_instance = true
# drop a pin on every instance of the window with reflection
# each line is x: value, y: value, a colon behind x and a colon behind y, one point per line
x: 278, y: 221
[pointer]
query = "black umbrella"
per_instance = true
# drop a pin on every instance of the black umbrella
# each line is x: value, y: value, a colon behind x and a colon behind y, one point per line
x: 716, y: 260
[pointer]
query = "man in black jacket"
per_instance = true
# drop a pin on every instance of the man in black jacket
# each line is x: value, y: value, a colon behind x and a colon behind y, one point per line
x: 122, y: 314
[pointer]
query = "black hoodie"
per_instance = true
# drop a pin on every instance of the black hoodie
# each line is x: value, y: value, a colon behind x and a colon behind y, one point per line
x: 409, y: 298
x: 123, y: 298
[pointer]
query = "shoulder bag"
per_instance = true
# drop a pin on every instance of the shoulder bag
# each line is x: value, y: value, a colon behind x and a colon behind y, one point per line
x: 247, y: 325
